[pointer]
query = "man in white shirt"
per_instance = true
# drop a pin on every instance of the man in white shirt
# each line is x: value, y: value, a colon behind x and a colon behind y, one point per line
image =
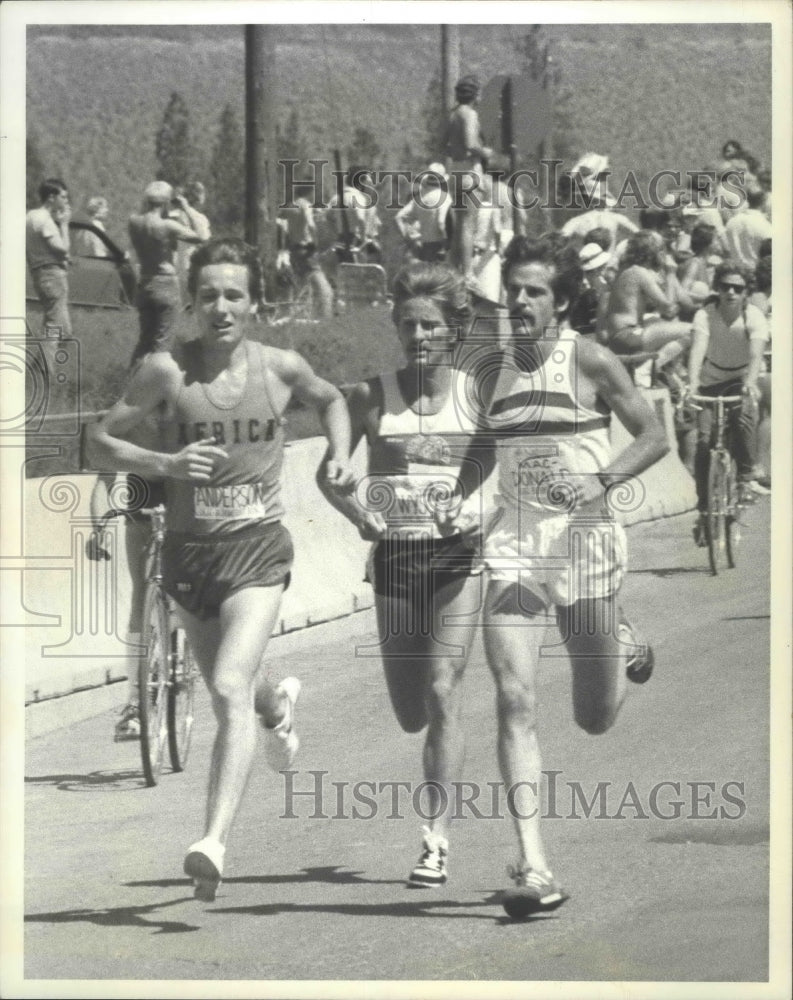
x: 422, y: 221
x: 47, y: 251
x: 746, y: 231
x: 355, y: 217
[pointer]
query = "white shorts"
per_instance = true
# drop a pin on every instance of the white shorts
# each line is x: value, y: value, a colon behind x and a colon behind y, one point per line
x: 559, y: 558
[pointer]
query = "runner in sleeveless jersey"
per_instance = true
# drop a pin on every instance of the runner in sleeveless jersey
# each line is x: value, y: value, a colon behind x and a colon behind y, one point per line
x: 226, y: 556
x: 557, y: 554
x: 415, y: 425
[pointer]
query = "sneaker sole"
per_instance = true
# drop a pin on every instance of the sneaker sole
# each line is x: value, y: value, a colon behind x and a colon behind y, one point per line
x: 519, y: 903
x: 422, y: 883
x: 641, y: 673
x: 205, y: 876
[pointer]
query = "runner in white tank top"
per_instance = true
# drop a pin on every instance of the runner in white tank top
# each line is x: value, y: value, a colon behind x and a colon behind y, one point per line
x: 557, y: 551
x: 428, y: 588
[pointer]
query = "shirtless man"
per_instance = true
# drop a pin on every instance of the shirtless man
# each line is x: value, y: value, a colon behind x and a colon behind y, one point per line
x: 299, y: 228
x: 637, y: 291
x: 155, y: 238
x: 466, y: 155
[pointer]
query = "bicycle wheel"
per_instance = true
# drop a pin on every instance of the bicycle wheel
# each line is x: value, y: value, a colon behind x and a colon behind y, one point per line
x: 152, y: 682
x: 717, y: 496
x: 732, y: 524
x: 181, y: 697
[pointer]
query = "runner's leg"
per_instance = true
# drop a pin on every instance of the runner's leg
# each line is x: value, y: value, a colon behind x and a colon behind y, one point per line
x: 513, y: 629
x: 597, y: 660
x: 229, y: 652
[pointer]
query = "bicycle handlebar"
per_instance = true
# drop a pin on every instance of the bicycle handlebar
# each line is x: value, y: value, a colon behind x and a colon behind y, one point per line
x: 150, y: 512
x: 692, y: 399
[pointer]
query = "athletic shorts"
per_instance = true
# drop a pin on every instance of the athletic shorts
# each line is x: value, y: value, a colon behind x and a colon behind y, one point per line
x: 560, y: 559
x: 200, y: 573
x: 628, y: 340
x: 413, y: 569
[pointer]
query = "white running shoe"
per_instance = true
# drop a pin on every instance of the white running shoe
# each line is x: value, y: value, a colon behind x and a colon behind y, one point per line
x: 282, y: 741
x: 431, y: 869
x: 204, y: 864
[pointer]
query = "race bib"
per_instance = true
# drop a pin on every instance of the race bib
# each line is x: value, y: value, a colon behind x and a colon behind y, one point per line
x: 526, y: 478
x: 418, y: 495
x: 238, y: 502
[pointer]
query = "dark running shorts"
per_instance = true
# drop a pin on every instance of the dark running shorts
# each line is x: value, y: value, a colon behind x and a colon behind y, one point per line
x: 200, y: 573
x: 415, y: 569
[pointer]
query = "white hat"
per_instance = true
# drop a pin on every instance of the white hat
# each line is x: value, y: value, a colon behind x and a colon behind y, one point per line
x: 437, y: 168
x: 592, y: 256
x: 590, y: 165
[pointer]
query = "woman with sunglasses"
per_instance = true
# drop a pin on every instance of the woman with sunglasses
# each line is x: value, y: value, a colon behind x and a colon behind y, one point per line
x: 726, y: 359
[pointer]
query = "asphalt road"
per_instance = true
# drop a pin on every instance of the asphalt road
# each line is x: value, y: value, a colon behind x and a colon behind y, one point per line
x: 312, y: 898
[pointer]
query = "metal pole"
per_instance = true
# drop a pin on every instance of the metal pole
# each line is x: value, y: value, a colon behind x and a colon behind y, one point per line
x: 450, y: 63
x: 260, y: 151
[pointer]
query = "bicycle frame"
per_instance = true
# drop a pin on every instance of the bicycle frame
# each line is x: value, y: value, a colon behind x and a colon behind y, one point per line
x: 724, y: 501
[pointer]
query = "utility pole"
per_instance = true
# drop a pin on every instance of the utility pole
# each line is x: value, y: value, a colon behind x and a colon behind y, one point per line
x: 450, y: 63
x: 261, y: 197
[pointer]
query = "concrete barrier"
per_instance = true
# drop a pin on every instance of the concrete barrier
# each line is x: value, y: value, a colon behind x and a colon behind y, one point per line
x: 73, y: 610
x: 667, y: 487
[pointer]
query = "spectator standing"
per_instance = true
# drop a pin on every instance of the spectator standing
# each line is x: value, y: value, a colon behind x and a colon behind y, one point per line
x: 466, y: 154
x: 746, y: 231
x: 47, y: 249
x: 86, y: 243
x: 590, y: 181
x: 355, y: 217
x: 196, y: 196
x: 154, y: 235
x: 297, y: 223
x: 422, y: 222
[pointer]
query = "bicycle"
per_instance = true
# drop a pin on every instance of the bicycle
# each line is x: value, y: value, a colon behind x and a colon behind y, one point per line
x: 722, y: 524
x: 297, y: 280
x: 167, y: 670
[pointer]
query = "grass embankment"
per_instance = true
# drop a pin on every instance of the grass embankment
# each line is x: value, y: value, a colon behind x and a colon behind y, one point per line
x: 345, y: 349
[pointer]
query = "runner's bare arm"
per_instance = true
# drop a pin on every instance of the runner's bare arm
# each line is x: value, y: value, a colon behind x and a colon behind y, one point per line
x: 148, y: 389
x: 699, y: 347
x: 296, y: 373
x: 371, y: 525
x: 615, y: 387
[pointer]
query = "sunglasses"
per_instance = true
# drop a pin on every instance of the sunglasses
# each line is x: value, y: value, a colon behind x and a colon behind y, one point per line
x: 727, y: 286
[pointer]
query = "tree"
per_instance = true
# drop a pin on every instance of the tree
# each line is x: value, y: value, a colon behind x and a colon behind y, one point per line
x: 34, y: 172
x: 173, y: 149
x: 365, y: 150
x: 538, y: 60
x: 226, y: 180
x: 434, y: 116
x: 291, y: 142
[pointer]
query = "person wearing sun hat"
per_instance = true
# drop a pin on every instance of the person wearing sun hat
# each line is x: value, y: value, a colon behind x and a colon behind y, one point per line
x: 588, y: 314
x: 590, y: 190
